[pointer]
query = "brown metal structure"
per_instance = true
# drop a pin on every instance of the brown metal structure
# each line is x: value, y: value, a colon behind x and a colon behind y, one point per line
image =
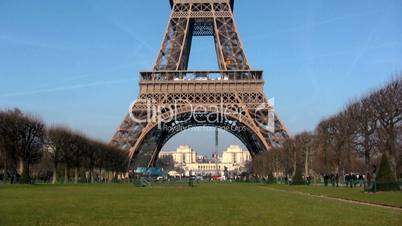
x: 173, y: 98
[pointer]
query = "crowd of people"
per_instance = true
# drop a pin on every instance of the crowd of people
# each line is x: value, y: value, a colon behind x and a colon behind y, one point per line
x: 350, y: 179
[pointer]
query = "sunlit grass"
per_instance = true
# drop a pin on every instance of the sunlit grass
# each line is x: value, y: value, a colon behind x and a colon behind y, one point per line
x: 357, y: 194
x: 205, y: 204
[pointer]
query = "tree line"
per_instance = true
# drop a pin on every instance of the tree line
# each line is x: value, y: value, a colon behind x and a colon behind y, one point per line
x: 28, y: 149
x: 353, y: 140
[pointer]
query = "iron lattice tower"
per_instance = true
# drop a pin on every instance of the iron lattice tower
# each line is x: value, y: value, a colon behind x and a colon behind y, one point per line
x: 231, y: 98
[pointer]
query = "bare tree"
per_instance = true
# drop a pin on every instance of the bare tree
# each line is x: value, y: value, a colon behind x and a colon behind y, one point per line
x: 343, y: 130
x: 24, y: 137
x: 166, y: 163
x: 24, y: 140
x: 257, y: 165
x: 387, y: 104
x: 324, y: 136
x: 3, y: 161
x: 364, y: 139
x: 73, y: 155
x: 305, y: 143
x: 30, y: 149
x: 9, y: 138
x: 3, y: 153
x: 339, y: 142
x: 92, y: 150
x: 276, y: 161
x: 399, y: 154
x: 58, y: 143
x: 288, y: 157
x: 117, y: 161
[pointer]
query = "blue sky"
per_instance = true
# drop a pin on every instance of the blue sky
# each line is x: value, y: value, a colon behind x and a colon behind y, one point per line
x: 77, y: 62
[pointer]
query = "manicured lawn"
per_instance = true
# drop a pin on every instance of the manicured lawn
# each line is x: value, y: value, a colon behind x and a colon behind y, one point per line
x: 357, y: 194
x: 205, y: 204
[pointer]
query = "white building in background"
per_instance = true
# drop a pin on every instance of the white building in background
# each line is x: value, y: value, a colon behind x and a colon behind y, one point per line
x: 183, y: 155
x: 235, y: 155
x: 233, y: 159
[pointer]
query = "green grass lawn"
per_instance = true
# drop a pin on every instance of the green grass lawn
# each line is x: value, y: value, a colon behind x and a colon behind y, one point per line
x: 357, y: 194
x: 205, y: 204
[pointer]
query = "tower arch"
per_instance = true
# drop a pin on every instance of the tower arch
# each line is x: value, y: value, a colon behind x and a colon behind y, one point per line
x: 171, y: 93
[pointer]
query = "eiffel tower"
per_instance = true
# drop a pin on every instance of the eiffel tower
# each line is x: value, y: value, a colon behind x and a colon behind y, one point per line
x: 173, y: 98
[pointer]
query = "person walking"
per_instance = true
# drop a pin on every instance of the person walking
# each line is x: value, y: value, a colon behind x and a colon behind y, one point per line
x: 337, y: 179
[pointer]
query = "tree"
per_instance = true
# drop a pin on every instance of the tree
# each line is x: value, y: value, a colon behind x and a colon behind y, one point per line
x: 297, y: 179
x: 92, y: 150
x: 3, y: 156
x: 338, y: 131
x: 324, y: 136
x: 30, y: 148
x: 364, y: 138
x: 58, y: 142
x: 262, y: 165
x: 257, y: 165
x: 120, y: 159
x: 288, y: 157
x: 340, y: 136
x: 73, y: 156
x: 399, y: 148
x: 166, y: 163
x: 24, y: 140
x: 386, y: 180
x: 24, y: 137
x: 387, y: 105
x: 276, y: 161
x: 8, y: 137
x: 305, y: 143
